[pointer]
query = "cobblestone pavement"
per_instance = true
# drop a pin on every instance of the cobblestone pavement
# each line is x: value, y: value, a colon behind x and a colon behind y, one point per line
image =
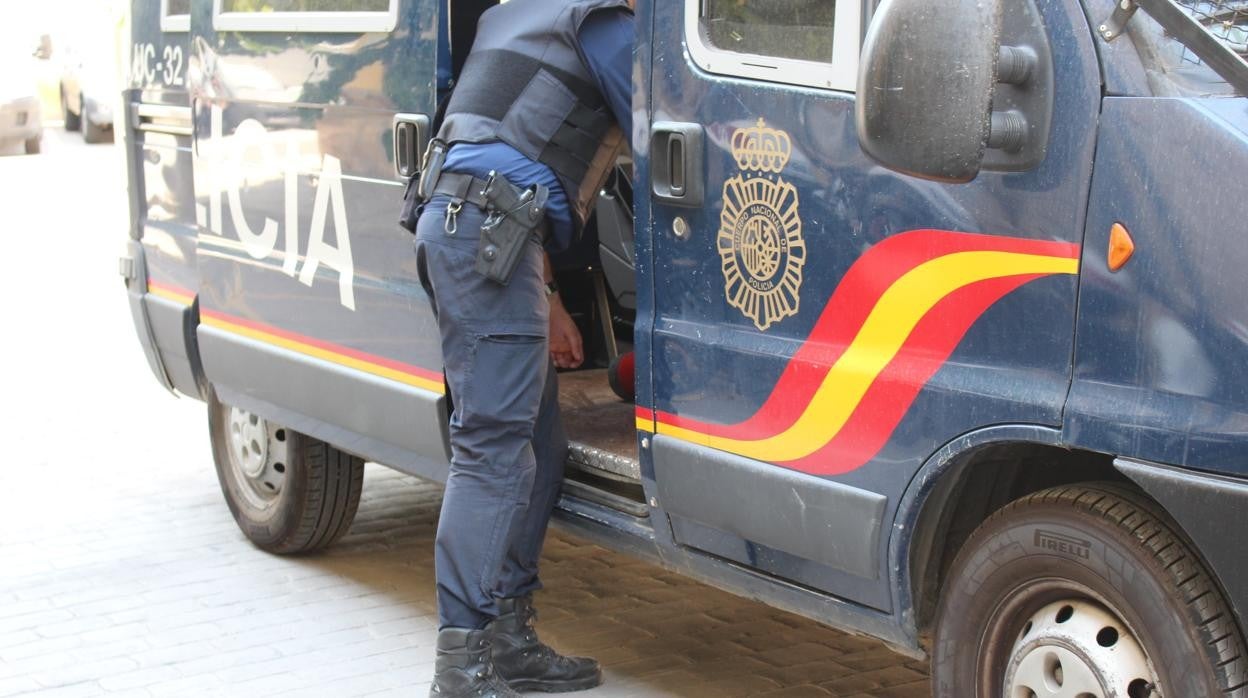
x: 122, y: 573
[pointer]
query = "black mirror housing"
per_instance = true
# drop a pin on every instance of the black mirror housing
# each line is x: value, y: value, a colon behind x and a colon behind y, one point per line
x: 925, y: 86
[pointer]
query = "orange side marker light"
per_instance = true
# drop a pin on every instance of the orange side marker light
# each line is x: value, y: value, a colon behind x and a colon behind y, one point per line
x: 1121, y: 246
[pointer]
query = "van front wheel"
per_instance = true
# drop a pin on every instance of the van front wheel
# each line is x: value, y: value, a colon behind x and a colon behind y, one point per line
x: 1083, y: 591
x: 288, y: 492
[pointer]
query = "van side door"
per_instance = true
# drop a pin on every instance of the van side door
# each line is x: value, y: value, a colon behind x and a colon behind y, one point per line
x: 822, y: 325
x: 312, y: 313
x: 154, y: 129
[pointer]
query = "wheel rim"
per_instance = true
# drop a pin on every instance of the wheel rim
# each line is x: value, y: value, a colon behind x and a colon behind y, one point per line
x: 258, y: 456
x: 1078, y: 648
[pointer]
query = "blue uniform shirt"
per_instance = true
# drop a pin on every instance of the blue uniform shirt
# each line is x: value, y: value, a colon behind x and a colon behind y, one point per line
x: 606, y: 45
x: 445, y: 78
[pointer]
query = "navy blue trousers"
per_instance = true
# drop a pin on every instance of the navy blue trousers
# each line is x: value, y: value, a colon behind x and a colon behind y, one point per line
x: 507, y: 441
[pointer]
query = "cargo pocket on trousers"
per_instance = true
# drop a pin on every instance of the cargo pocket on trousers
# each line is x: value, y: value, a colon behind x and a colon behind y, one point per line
x: 508, y: 374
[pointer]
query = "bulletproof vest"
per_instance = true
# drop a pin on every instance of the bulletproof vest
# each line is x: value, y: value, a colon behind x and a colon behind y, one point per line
x: 525, y: 84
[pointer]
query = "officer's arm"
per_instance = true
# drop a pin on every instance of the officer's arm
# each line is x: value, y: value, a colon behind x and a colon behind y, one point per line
x: 606, y: 46
x: 565, y: 338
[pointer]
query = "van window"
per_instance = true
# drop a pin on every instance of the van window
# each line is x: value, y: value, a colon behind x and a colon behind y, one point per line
x: 800, y: 29
x: 306, y: 15
x: 802, y: 42
x: 175, y: 15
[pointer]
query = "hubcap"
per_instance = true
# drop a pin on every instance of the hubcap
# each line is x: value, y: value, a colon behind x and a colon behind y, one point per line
x: 258, y: 456
x: 1076, y: 648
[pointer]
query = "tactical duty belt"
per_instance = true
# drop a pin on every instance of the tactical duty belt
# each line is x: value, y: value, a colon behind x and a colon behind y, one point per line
x: 514, y: 217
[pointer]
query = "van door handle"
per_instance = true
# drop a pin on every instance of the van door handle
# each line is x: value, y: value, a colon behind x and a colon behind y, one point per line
x: 411, y: 133
x: 676, y: 173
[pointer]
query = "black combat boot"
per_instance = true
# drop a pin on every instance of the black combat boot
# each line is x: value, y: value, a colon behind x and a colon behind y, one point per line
x: 464, y: 669
x: 527, y: 664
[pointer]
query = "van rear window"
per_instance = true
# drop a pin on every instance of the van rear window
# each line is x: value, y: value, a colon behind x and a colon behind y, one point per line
x: 306, y: 15
x: 304, y: 5
x: 795, y: 29
x: 175, y: 15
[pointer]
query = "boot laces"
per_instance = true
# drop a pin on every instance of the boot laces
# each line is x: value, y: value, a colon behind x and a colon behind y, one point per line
x: 543, y: 651
x: 527, y: 615
x: 492, y: 686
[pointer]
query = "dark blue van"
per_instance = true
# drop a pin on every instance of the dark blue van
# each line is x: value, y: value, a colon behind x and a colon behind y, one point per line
x: 936, y: 307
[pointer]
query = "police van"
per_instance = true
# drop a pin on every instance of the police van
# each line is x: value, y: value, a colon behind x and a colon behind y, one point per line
x: 934, y: 309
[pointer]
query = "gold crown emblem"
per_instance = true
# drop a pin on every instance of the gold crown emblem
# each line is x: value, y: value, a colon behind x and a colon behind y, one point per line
x: 761, y: 149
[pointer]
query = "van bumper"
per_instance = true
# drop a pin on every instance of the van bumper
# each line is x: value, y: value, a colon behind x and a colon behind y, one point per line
x: 133, y: 268
x: 1212, y: 510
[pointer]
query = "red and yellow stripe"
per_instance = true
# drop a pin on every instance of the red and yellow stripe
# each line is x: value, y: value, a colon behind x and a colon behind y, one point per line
x: 892, y: 322
x: 169, y: 292
x: 645, y: 420
x: 380, y: 366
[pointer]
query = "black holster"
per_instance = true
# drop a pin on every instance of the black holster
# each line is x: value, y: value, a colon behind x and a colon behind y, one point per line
x: 420, y: 187
x: 512, y: 223
x: 410, y: 212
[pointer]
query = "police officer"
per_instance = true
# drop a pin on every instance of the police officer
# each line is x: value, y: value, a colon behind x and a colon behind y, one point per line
x: 534, y: 125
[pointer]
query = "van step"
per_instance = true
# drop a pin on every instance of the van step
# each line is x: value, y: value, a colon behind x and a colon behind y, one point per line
x: 603, y: 463
x: 590, y: 493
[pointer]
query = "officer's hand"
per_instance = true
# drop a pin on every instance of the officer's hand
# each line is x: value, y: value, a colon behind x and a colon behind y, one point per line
x: 565, y: 338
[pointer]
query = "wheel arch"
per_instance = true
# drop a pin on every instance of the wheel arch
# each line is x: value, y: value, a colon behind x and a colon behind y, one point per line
x: 977, y: 474
x: 959, y: 487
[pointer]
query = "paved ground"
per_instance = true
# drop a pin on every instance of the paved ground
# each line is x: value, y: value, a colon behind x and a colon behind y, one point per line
x: 122, y: 573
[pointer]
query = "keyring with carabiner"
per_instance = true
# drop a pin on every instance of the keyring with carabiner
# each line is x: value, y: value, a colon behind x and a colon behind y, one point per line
x: 451, y: 226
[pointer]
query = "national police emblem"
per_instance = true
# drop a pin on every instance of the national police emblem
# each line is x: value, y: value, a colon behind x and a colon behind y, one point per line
x: 760, y: 229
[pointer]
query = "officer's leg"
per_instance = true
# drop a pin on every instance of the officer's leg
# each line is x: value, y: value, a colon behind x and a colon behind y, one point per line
x: 495, y: 356
x: 519, y: 656
x: 492, y: 473
x: 550, y: 449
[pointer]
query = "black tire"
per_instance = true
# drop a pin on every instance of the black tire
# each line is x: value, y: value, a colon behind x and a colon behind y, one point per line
x: 73, y: 121
x: 1104, y: 546
x: 34, y: 145
x: 93, y: 132
x: 316, y: 499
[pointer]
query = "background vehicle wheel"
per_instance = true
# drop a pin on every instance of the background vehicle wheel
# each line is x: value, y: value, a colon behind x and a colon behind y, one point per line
x: 288, y: 492
x: 73, y: 121
x: 92, y: 132
x: 34, y: 145
x: 1083, y: 592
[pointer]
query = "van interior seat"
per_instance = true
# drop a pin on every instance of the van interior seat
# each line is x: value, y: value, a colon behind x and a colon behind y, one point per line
x: 614, y: 215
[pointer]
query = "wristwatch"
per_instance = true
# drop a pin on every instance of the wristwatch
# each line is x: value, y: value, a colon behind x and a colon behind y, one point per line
x: 551, y: 288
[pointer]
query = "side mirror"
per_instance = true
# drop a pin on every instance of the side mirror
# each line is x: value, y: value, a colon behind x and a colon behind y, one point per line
x: 44, y: 52
x: 949, y: 87
x: 925, y: 86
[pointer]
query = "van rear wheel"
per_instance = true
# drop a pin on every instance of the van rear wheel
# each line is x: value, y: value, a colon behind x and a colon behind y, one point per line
x: 1079, y: 592
x: 288, y: 492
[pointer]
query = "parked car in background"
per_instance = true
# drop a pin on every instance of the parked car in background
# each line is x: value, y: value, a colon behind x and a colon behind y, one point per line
x: 89, y: 86
x: 21, y: 117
